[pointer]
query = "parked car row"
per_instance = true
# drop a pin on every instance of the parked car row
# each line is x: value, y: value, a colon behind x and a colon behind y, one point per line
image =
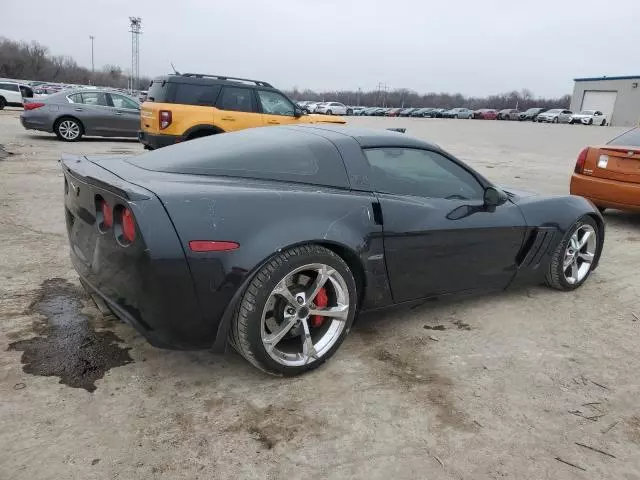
x: 535, y: 114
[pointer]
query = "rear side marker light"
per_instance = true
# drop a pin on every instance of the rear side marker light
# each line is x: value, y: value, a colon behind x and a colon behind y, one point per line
x: 212, y: 246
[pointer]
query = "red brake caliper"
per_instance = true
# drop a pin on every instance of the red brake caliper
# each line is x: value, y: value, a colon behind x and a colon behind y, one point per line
x: 320, y: 301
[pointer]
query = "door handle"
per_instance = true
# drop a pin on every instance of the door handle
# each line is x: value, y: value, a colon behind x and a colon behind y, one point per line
x: 78, y: 109
x: 230, y: 119
x: 273, y: 122
x: 118, y: 113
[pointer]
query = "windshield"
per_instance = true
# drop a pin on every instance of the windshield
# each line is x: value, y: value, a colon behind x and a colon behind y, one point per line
x: 555, y: 110
x: 587, y: 112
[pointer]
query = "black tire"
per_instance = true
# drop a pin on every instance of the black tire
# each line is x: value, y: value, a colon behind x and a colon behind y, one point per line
x: 58, y: 126
x: 3, y: 103
x: 329, y: 112
x: 555, y: 119
x: 349, y: 112
x: 571, y: 122
x: 602, y: 209
x: 603, y: 123
x: 555, y: 276
x: 590, y: 122
x: 245, y: 334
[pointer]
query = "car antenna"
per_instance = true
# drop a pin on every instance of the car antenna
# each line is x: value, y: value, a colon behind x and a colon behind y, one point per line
x: 174, y: 69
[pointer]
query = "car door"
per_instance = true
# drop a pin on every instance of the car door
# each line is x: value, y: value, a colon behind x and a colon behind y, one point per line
x: 126, y: 115
x: 439, y: 237
x: 276, y: 108
x: 94, y: 111
x: 237, y: 109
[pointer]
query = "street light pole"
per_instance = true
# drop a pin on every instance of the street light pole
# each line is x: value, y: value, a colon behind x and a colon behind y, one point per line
x: 92, y: 64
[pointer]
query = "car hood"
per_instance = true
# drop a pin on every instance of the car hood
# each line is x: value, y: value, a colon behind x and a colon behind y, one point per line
x: 582, y: 115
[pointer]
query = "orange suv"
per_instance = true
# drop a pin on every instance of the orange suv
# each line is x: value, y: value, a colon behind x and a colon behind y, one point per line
x: 185, y: 106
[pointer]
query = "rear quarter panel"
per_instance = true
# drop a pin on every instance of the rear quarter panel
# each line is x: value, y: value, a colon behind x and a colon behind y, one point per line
x: 183, y: 117
x: 264, y: 218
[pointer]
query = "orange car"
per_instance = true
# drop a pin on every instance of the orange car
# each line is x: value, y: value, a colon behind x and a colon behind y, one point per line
x: 609, y: 175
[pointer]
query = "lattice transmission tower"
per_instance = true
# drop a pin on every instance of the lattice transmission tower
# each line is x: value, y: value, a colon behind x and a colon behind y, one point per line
x: 136, y: 30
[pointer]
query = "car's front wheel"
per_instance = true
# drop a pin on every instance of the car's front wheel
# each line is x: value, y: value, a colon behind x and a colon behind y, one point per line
x: 296, y: 311
x: 329, y: 112
x: 574, y: 257
x: 3, y: 103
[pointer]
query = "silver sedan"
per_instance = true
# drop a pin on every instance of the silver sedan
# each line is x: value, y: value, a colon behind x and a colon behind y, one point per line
x: 73, y: 113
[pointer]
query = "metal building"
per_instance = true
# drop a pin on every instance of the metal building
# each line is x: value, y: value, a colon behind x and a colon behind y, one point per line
x: 617, y: 97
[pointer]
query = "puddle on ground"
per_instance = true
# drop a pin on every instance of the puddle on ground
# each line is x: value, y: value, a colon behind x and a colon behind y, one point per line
x: 67, y: 345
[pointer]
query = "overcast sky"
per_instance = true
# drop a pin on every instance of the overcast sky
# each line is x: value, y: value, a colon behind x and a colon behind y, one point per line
x: 475, y: 47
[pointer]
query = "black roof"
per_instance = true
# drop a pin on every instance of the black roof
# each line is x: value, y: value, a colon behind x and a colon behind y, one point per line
x: 207, y: 79
x: 367, y: 138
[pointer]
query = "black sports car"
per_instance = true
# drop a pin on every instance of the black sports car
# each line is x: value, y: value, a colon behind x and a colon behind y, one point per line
x: 273, y: 238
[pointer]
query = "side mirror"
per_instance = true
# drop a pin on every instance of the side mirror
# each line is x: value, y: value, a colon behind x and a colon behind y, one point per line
x: 494, y: 197
x: 298, y: 112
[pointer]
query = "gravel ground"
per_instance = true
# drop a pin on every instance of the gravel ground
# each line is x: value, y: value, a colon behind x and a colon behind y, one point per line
x: 501, y: 388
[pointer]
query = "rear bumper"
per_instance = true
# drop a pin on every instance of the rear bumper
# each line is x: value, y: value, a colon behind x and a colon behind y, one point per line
x: 606, y: 193
x: 153, y: 141
x: 35, y: 124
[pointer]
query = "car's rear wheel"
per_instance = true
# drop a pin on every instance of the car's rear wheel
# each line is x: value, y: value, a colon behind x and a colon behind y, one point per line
x: 349, y: 112
x: 68, y: 129
x: 3, y: 103
x: 573, y: 259
x: 603, y: 123
x: 296, y: 311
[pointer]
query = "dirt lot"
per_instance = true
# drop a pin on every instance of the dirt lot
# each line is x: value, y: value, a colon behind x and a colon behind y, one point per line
x: 495, y: 388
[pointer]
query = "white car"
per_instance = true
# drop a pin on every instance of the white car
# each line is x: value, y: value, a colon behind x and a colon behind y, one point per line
x: 555, y: 115
x: 589, y: 117
x: 12, y: 93
x: 333, y: 108
x: 311, y: 107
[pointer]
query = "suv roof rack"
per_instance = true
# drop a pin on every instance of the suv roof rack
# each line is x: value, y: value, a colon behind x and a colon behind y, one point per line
x: 225, y: 77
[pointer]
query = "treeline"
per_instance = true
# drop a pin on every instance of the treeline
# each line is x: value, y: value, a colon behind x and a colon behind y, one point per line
x: 33, y: 61
x: 403, y: 97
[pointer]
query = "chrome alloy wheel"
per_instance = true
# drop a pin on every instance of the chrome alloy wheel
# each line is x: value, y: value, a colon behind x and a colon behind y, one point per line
x: 296, y: 328
x: 69, y: 129
x: 579, y: 254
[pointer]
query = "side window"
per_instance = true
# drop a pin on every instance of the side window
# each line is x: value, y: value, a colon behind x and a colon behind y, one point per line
x: 94, y: 98
x: 12, y: 87
x: 236, y: 99
x: 120, y: 101
x: 421, y: 173
x: 75, y: 98
x: 188, y: 94
x: 274, y: 103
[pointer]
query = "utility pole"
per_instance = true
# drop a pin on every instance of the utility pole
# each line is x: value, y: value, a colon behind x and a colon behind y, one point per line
x: 92, y: 64
x: 136, y: 30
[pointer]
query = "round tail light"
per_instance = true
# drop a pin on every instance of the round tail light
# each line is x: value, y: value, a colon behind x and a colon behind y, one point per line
x: 128, y: 226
